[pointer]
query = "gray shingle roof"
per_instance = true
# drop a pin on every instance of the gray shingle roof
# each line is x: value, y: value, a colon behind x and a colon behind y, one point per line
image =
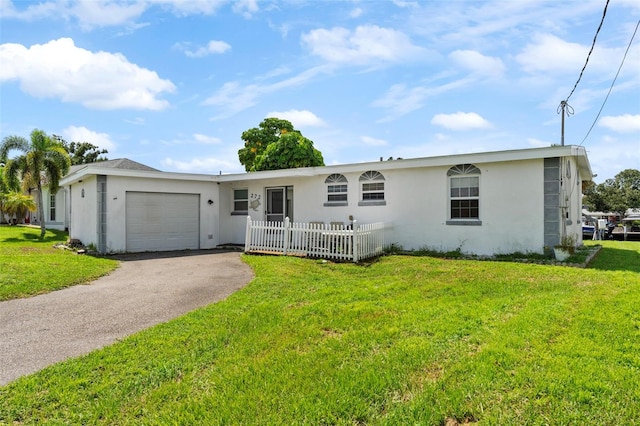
x: 118, y: 163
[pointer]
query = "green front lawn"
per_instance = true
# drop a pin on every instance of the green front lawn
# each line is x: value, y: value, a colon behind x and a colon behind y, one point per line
x: 405, y: 340
x: 30, y: 265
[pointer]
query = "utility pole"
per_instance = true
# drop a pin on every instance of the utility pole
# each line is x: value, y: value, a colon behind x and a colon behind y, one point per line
x: 564, y: 108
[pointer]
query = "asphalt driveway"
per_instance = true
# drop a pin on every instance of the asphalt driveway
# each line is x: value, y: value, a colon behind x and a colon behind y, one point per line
x: 146, y: 289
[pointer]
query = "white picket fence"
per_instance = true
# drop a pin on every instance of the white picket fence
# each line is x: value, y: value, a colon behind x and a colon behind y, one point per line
x: 328, y: 241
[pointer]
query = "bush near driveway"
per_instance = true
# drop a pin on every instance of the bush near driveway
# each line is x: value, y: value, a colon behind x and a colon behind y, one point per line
x: 30, y: 265
x: 405, y: 340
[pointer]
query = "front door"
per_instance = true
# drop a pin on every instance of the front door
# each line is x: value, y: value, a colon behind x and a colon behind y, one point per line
x: 276, y: 204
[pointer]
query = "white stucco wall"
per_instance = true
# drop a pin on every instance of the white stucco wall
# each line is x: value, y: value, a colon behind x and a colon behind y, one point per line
x: 417, y: 207
x: 83, y: 223
x: 60, y: 222
x: 84, y: 210
x: 117, y: 186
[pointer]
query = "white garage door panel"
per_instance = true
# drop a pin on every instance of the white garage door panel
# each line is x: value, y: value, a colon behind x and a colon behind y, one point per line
x: 162, y: 221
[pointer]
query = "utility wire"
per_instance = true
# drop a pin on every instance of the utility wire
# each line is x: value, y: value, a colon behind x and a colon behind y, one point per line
x: 604, y: 13
x: 612, y: 83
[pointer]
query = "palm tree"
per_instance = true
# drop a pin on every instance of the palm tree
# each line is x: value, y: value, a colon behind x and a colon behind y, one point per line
x: 41, y: 156
x: 19, y: 204
x: 3, y: 191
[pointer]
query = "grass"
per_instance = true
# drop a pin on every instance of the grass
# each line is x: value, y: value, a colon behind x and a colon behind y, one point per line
x: 405, y: 340
x: 30, y: 265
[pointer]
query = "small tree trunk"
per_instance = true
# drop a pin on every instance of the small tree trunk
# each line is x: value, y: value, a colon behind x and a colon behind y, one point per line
x: 43, y: 229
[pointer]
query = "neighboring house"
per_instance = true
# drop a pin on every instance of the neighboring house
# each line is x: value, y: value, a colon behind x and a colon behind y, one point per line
x: 481, y: 203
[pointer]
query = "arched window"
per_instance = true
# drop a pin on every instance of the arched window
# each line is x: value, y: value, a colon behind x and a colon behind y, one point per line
x: 336, y: 190
x: 464, y: 195
x: 372, y: 188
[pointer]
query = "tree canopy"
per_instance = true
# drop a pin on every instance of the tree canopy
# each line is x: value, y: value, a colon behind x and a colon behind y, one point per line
x: 615, y: 195
x: 82, y: 152
x: 42, y: 157
x: 275, y: 144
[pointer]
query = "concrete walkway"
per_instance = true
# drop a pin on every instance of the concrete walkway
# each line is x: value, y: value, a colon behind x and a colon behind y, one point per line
x: 145, y: 290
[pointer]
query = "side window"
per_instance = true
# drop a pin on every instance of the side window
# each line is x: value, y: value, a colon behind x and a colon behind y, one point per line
x: 336, y: 190
x: 240, y: 201
x: 52, y: 207
x: 372, y: 189
x: 464, y: 195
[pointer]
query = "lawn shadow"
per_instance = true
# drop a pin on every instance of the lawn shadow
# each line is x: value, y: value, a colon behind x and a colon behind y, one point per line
x: 48, y: 238
x: 163, y: 254
x: 617, y: 259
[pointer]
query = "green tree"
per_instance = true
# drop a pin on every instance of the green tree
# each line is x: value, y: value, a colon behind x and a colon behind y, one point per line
x: 615, y: 195
x: 291, y: 150
x: 258, y: 139
x: 82, y: 152
x: 41, y: 157
x: 18, y: 204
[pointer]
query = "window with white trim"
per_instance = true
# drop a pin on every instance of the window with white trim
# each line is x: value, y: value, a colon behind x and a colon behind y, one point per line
x: 464, y: 195
x: 52, y: 207
x: 240, y: 201
x: 336, y: 190
x: 372, y: 188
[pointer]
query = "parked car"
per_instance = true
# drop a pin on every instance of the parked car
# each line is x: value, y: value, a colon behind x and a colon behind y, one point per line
x: 588, y: 228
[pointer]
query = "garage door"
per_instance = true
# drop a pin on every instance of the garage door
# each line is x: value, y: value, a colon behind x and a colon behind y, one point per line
x: 158, y: 221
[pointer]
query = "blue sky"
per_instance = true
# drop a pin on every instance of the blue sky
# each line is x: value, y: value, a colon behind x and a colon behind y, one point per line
x: 173, y: 84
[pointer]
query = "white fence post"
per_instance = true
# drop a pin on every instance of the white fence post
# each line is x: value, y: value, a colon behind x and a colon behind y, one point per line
x: 356, y: 242
x: 286, y: 235
x: 247, y: 235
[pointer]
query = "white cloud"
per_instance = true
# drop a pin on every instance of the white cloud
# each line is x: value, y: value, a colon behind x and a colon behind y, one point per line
x: 102, y: 80
x: 190, y: 7
x: 32, y: 12
x: 276, y: 72
x: 204, y: 139
x: 136, y: 120
x: 610, y: 156
x: 92, y: 14
x: 355, y: 13
x: 82, y: 134
x: 550, y: 54
x: 460, y: 121
x: 537, y: 143
x: 202, y: 165
x: 89, y: 13
x: 366, y: 45
x: 213, y: 47
x: 101, y: 13
x: 299, y: 118
x: 478, y: 63
x: 400, y: 99
x: 403, y: 4
x: 232, y: 97
x: 625, y: 123
x: 207, y: 7
x: 373, y: 141
x: 245, y: 7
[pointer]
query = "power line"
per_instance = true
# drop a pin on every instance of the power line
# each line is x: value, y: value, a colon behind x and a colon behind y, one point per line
x: 564, y: 107
x: 612, y: 83
x: 593, y: 44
